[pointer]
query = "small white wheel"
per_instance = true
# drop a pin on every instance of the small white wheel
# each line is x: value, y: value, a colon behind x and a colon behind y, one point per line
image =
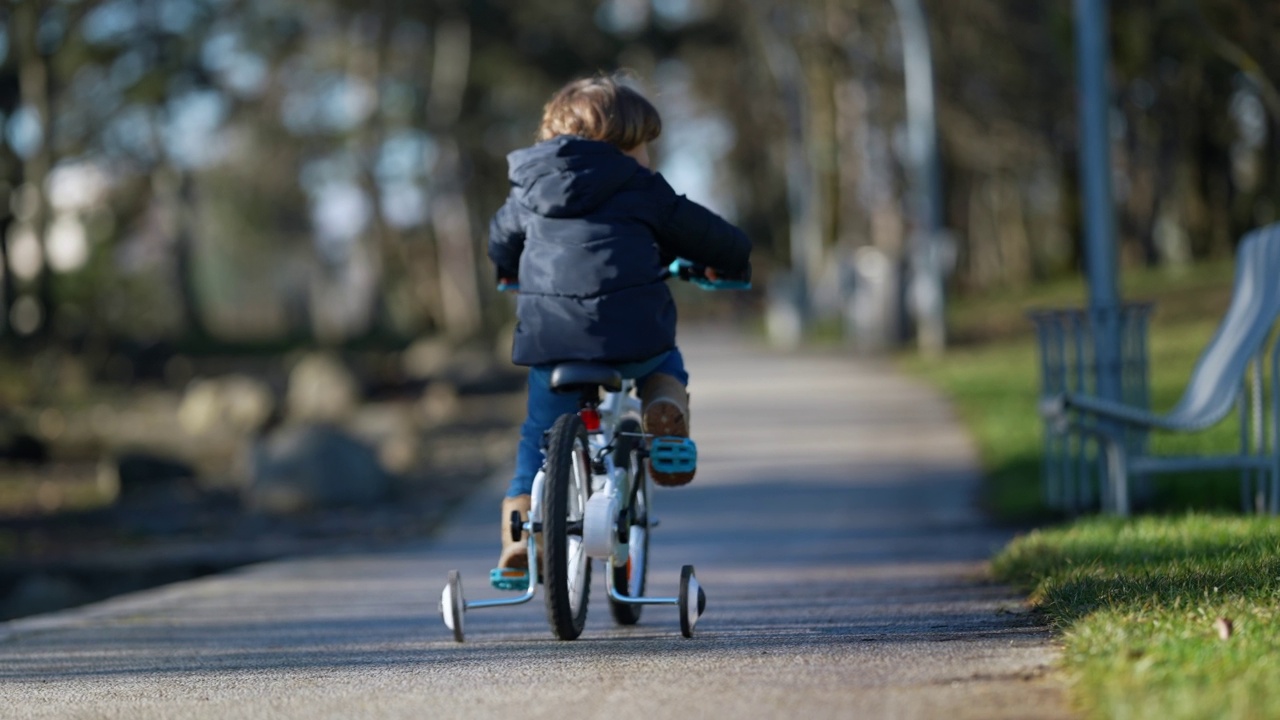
x: 692, y: 601
x: 452, y: 605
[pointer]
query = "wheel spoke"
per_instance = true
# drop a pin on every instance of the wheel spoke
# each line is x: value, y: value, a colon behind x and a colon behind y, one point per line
x: 577, y: 552
x: 579, y: 505
x: 577, y: 565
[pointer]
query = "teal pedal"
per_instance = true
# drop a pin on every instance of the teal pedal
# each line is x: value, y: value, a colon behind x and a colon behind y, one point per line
x: 509, y: 579
x: 670, y: 454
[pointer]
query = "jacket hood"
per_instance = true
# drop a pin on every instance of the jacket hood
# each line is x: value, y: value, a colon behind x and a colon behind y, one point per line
x: 568, y: 176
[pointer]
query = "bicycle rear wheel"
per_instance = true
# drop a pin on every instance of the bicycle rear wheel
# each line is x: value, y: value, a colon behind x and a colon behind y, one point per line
x: 566, y: 567
x: 629, y: 579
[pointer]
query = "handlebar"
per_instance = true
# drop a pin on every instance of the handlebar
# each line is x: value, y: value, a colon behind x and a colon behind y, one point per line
x: 697, y: 274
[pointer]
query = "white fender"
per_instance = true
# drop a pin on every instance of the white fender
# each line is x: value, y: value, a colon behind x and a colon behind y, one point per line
x: 599, y: 532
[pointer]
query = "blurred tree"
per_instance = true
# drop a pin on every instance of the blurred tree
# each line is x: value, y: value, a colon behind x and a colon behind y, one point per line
x: 325, y: 169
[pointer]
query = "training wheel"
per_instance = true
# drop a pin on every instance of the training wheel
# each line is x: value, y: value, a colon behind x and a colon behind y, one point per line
x: 692, y: 601
x: 452, y: 605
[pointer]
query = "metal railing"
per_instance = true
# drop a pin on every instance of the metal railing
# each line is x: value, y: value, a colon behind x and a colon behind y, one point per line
x: 1073, y: 476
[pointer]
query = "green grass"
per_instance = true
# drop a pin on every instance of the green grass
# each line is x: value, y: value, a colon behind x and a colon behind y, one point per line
x: 1135, y: 600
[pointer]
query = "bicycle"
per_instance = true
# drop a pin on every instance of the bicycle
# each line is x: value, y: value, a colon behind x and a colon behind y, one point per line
x: 593, y: 499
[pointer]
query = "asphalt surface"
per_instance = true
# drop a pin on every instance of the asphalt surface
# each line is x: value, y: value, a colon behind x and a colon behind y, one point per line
x: 833, y: 526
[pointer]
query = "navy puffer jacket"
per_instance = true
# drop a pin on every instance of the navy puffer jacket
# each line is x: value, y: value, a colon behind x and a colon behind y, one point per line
x: 588, y: 233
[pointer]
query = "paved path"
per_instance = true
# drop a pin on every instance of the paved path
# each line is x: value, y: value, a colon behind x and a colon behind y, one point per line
x: 832, y: 524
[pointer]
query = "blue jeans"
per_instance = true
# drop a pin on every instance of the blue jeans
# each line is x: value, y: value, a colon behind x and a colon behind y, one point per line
x: 546, y: 406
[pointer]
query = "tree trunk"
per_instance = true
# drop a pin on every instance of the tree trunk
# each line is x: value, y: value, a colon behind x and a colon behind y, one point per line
x: 451, y: 222
x: 450, y: 212
x: 184, y: 252
x: 34, y: 81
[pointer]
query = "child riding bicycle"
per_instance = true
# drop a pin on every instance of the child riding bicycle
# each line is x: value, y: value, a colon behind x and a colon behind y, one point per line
x: 588, y: 232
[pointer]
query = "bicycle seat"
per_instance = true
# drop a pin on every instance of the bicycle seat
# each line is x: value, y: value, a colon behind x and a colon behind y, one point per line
x: 577, y: 376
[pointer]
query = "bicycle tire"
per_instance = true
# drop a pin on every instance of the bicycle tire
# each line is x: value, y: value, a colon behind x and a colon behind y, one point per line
x: 630, y: 579
x: 566, y: 568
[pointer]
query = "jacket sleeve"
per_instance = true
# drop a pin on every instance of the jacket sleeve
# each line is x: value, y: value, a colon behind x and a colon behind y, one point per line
x: 688, y: 230
x: 506, y: 240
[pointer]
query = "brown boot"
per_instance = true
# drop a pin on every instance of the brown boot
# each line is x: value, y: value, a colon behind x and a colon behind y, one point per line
x: 515, y: 553
x: 666, y: 413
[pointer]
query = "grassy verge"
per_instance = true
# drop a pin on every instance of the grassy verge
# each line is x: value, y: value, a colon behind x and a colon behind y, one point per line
x: 1143, y: 605
x: 1139, y: 602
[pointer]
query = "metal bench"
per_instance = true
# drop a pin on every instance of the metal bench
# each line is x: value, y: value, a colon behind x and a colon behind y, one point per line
x: 1228, y: 374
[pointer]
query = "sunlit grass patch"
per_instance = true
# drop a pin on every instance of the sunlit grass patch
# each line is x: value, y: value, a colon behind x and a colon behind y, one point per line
x: 1162, y: 617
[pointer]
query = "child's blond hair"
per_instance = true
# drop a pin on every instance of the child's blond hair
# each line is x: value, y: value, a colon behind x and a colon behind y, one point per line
x: 601, y: 108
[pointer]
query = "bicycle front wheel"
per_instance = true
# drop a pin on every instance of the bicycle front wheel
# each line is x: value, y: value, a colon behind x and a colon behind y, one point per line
x: 566, y: 567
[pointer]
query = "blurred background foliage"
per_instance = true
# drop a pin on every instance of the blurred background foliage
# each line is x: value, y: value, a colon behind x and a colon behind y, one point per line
x: 182, y: 179
x: 226, y: 171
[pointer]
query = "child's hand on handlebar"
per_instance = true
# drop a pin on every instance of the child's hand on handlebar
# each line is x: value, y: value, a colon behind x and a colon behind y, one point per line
x: 709, y: 278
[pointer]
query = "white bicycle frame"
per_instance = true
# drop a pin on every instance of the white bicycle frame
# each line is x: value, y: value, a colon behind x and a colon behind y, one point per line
x: 614, y: 409
x: 615, y: 492
x: 603, y: 515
